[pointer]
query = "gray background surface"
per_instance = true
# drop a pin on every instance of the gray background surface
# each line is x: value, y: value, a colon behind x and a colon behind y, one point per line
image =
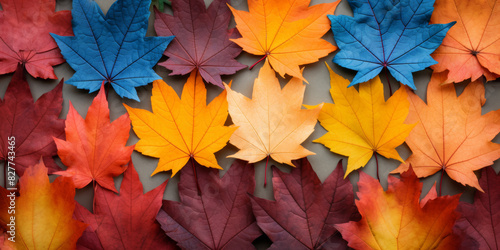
x: 316, y: 92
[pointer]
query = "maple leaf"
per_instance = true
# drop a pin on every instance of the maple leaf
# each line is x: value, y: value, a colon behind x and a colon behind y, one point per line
x: 160, y: 4
x: 125, y: 221
x: 272, y: 124
x: 201, y: 39
x: 112, y: 48
x: 397, y: 218
x: 480, y: 220
x: 362, y: 123
x: 25, y: 36
x: 31, y: 124
x: 94, y: 149
x: 382, y: 35
x: 451, y: 135
x: 472, y: 47
x: 43, y: 212
x: 287, y: 33
x: 217, y: 216
x: 305, y: 211
x: 182, y: 128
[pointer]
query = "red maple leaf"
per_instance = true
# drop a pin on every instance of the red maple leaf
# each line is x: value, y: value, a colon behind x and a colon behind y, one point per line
x: 201, y: 39
x: 218, y: 215
x: 305, y: 211
x: 31, y: 125
x: 125, y: 221
x: 25, y: 36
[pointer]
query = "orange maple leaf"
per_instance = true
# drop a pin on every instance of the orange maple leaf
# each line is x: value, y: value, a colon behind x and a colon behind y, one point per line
x: 272, y: 124
x: 94, y: 149
x: 397, y: 219
x: 288, y: 33
x: 451, y: 135
x: 43, y: 212
x: 182, y: 128
x: 471, y: 48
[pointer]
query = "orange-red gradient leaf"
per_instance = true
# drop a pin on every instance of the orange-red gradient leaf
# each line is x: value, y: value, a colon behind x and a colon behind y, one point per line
x: 94, y: 149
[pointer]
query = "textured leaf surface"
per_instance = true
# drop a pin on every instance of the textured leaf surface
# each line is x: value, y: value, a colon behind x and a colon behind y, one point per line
x: 451, y: 134
x: 398, y: 219
x: 472, y: 47
x: 125, y: 221
x: 201, y: 39
x: 288, y: 33
x: 219, y: 215
x: 382, y: 35
x: 33, y: 124
x: 43, y: 212
x: 94, y: 149
x: 305, y: 210
x: 182, y: 128
x: 25, y: 36
x: 362, y: 123
x: 112, y: 48
x: 481, y: 220
x: 272, y: 123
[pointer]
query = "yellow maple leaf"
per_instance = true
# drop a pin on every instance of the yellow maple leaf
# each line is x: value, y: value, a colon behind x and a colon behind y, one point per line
x: 363, y: 123
x: 272, y: 124
x: 43, y: 212
x: 180, y: 129
x: 288, y: 33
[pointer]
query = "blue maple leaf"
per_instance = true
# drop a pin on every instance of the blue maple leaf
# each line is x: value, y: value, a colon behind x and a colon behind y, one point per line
x: 383, y: 34
x: 112, y: 48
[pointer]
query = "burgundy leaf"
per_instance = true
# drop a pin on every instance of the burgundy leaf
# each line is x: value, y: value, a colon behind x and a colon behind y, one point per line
x: 305, y: 211
x: 219, y: 215
x: 125, y: 221
x: 32, y: 124
x: 201, y: 39
x: 480, y: 221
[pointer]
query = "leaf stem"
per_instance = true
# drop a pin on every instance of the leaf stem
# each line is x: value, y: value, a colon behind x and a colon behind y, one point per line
x: 441, y: 181
x: 265, y: 173
x: 376, y: 161
x: 196, y: 177
x: 388, y: 82
x: 93, y: 199
x: 260, y: 60
x: 106, y: 89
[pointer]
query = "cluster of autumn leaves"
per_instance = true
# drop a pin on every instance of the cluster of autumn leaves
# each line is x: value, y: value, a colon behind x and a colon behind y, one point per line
x: 447, y: 133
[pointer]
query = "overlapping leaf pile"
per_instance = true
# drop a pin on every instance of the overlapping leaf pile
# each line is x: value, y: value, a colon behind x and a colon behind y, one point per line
x: 447, y: 133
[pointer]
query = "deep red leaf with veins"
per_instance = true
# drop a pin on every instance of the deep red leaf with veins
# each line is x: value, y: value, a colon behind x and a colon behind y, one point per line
x: 33, y: 124
x: 25, y: 38
x: 305, y: 211
x: 201, y: 39
x: 124, y: 221
x: 481, y: 220
x: 219, y: 215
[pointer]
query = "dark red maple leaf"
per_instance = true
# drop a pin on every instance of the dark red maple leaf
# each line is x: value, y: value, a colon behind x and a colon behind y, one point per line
x: 124, y: 221
x: 480, y: 221
x: 25, y: 36
x: 219, y: 215
x: 201, y: 39
x: 305, y: 211
x: 32, y: 124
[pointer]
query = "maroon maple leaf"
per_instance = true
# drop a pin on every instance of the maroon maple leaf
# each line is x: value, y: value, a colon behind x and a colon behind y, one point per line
x: 480, y: 221
x: 219, y: 215
x: 25, y: 36
x: 124, y: 221
x: 201, y: 39
x: 305, y: 211
x: 33, y: 125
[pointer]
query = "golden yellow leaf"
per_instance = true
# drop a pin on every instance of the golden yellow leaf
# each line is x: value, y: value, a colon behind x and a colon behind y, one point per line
x: 362, y: 123
x: 180, y: 129
x: 288, y: 33
x: 272, y: 123
x: 43, y: 212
